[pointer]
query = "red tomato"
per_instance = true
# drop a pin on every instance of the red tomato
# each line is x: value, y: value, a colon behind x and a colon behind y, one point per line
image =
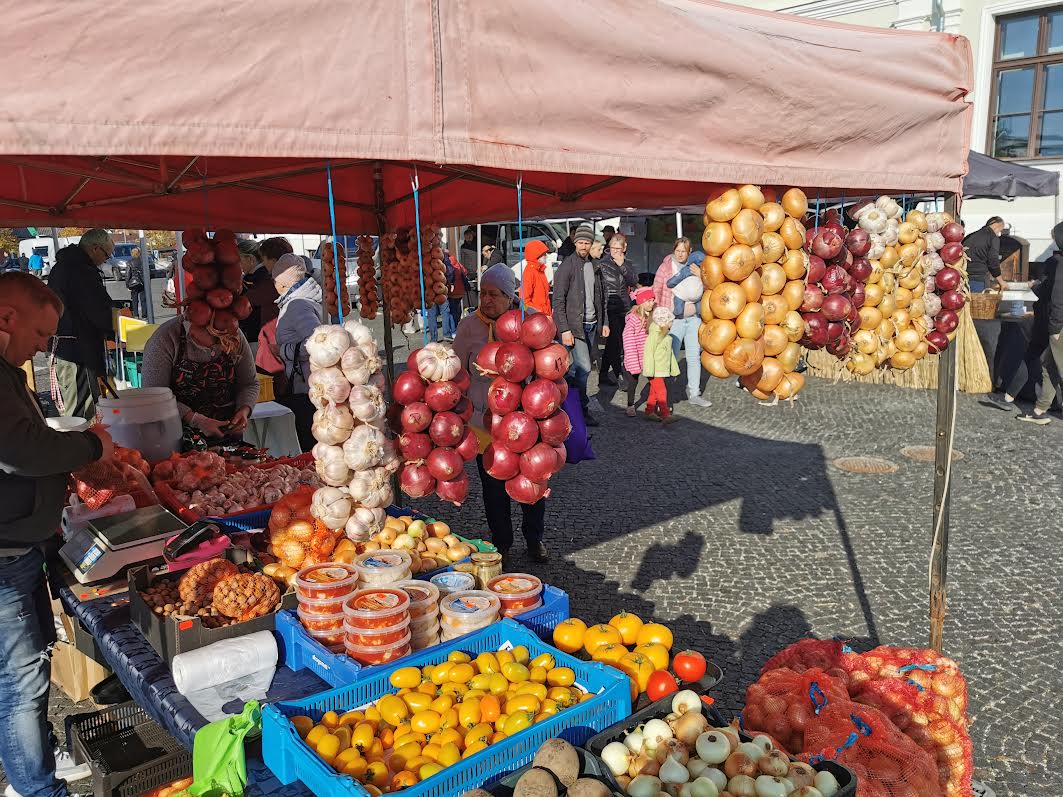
x: 689, y: 665
x: 661, y: 683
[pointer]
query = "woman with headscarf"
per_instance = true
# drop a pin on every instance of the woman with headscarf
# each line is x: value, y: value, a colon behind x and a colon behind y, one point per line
x: 498, y: 293
x: 299, y: 314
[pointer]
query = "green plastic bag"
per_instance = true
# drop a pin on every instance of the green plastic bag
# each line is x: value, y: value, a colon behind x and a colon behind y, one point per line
x: 218, y: 763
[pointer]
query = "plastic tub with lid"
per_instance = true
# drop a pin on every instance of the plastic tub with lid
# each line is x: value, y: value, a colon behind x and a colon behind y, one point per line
x: 321, y: 605
x: 330, y: 580
x: 65, y: 424
x: 377, y: 608
x: 377, y: 568
x: 377, y: 637
x: 517, y: 592
x: 424, y: 597
x: 453, y: 581
x: 469, y: 610
x: 380, y: 654
x: 320, y: 622
x: 333, y: 640
x: 424, y: 625
x: 144, y: 418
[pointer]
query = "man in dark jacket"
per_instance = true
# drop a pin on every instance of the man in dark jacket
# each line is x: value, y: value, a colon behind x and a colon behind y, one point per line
x: 259, y: 290
x: 134, y: 281
x: 618, y: 278
x: 35, y: 464
x: 578, y: 310
x: 86, y: 321
x: 983, y: 247
x: 1051, y: 292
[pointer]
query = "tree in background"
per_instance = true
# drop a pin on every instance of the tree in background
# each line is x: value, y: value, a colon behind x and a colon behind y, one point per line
x: 71, y: 232
x: 8, y: 240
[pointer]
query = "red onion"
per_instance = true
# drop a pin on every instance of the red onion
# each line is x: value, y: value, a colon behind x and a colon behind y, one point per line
x: 469, y: 446
x: 946, y: 321
x: 446, y: 429
x: 517, y: 431
x: 225, y: 322
x: 540, y: 398
x: 508, y: 326
x: 834, y: 224
x: 462, y: 380
x: 854, y: 315
x: 835, y: 329
x: 525, y: 491
x: 408, y: 388
x: 834, y: 280
x: 416, y: 417
x: 555, y: 429
x: 861, y: 269
x: 810, y: 236
x: 562, y: 385
x: 539, y: 462
x: 226, y: 252
x: 444, y: 464
x: 858, y: 295
x: 856, y: 207
x: 415, y: 480
x: 827, y: 243
x: 464, y: 409
x: 232, y: 278
x: 197, y: 313
x: 503, y: 396
x: 414, y: 445
x: 951, y: 253
x: 815, y: 328
x: 840, y: 346
x: 948, y: 279
x: 485, y: 359
x: 858, y: 242
x: 936, y: 341
x: 492, y: 421
x: 562, y: 456
x: 953, y: 300
x: 552, y: 362
x: 411, y: 361
x: 813, y: 298
x: 205, y: 277
x: 836, y: 307
x: 219, y: 298
x: 442, y: 396
x: 241, y: 307
x: 501, y: 463
x: 538, y: 331
x: 816, y: 268
x: 514, y: 361
x: 952, y: 232
x: 456, y: 490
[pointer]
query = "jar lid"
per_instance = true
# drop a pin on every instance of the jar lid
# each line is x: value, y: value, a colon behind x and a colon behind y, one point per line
x: 372, y: 562
x: 420, y: 592
x: 328, y: 576
x: 470, y: 606
x: 453, y: 581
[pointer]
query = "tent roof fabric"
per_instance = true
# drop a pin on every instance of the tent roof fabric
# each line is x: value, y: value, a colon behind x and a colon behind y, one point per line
x: 991, y: 178
x: 228, y: 113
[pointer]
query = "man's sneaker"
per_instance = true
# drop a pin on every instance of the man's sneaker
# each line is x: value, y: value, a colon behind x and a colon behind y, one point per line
x: 10, y: 791
x: 594, y: 405
x: 1033, y: 417
x: 66, y: 769
x: 590, y: 420
x: 700, y: 401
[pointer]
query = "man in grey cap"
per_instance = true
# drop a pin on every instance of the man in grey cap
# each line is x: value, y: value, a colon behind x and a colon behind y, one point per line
x: 578, y: 310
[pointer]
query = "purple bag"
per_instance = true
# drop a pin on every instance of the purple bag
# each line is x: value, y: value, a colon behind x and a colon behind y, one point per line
x: 577, y: 444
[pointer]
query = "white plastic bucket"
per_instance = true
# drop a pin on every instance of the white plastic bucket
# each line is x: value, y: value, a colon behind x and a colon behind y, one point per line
x: 144, y: 418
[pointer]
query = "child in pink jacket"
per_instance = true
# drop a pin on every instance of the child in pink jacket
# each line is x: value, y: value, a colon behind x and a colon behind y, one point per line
x: 636, y: 328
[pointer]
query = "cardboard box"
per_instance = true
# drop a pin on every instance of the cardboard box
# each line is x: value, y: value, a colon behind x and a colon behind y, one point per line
x: 74, y: 672
x: 170, y: 636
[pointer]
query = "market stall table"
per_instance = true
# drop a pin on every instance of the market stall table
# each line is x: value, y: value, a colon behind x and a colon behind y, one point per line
x: 272, y: 427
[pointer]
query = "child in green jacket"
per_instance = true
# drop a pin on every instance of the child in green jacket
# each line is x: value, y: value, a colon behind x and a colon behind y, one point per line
x: 659, y: 364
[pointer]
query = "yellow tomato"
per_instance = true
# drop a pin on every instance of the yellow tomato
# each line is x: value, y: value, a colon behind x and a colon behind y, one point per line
x: 600, y: 635
x: 638, y: 668
x: 518, y: 722
x: 373, y: 790
x: 460, y: 673
x: 415, y: 737
x: 400, y: 755
x: 407, y: 677
x: 442, y: 703
x: 490, y: 708
x: 428, y: 770
x: 328, y: 747
x: 303, y: 725
x: 473, y: 749
x: 448, y: 736
x: 449, y: 754
x: 426, y: 721
x: 628, y: 625
x: 441, y: 672
x: 499, y: 684
x: 427, y: 688
x: 475, y: 693
x: 523, y: 703
x: 426, y: 672
x: 537, y: 674
x: 431, y: 751
x: 481, y: 681
x: 561, y: 676
x: 545, y: 660
x: 549, y: 707
x: 531, y: 688
x: 457, y: 691
x: 402, y: 780
x: 481, y: 733
x: 458, y: 656
x: 375, y: 751
x: 504, y: 657
x: 487, y: 663
x: 469, y: 713
x: 586, y: 696
x: 568, y: 634
x: 330, y: 719
x: 656, y: 653
x: 521, y: 654
x: 372, y: 714
x: 343, y: 733
x: 363, y: 735
x: 415, y: 764
x: 449, y: 719
x: 655, y: 632
x: 609, y: 654
x: 393, y: 710
x: 500, y: 723
x: 355, y: 767
x: 563, y: 696
x: 352, y: 718
x: 417, y: 701
x: 515, y: 672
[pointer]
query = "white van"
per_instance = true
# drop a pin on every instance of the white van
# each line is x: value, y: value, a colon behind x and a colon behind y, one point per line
x: 45, y: 247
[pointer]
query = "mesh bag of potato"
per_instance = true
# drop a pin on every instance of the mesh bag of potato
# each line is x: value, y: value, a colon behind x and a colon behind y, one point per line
x: 196, y: 586
x: 246, y: 596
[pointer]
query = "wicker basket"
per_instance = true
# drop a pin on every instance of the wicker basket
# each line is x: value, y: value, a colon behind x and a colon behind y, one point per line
x: 984, y: 305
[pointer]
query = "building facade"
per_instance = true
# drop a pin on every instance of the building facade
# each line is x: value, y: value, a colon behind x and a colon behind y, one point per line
x: 1017, y: 94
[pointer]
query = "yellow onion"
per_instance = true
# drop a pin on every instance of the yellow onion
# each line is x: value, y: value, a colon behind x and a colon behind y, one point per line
x: 910, y: 254
x: 725, y: 206
x: 758, y: 252
x: 888, y: 282
x: 907, y: 339
x: 901, y: 319
x: 889, y: 258
x: 716, y: 238
x: 772, y: 278
x: 775, y: 340
x: 872, y: 294
x: 751, y: 195
x: 794, y: 325
x: 795, y: 264
x: 706, y: 307
x: 888, y: 304
x: 886, y: 330
x: 876, y: 272
x: 773, y: 215
x: 793, y: 233
x: 714, y: 365
x: 774, y: 247
x: 860, y: 363
x: 750, y: 322
x: 921, y: 350
x: 794, y: 293
x: 918, y: 290
x: 790, y: 385
x: 715, y: 336
x: 795, y: 203
x: 747, y: 227
x: 907, y: 233
x: 866, y: 340
x: 711, y: 272
x: 911, y: 278
x: 885, y: 352
x: 775, y: 309
x: 753, y: 287
x: 738, y: 262
x: 789, y: 356
x: 902, y: 360
x: 744, y: 356
x: 917, y: 308
x: 903, y: 297
x: 766, y: 378
x: 870, y: 317
x: 727, y: 300
x: 918, y: 218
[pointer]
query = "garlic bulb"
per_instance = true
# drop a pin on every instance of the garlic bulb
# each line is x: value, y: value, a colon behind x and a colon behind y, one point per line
x: 332, y: 506
x: 890, y: 235
x: 931, y: 304
x: 326, y: 345
x: 328, y: 386
x: 437, y: 362
x: 889, y: 206
x: 332, y: 424
x: 367, y: 403
x: 935, y: 221
x: 359, y: 333
x: 328, y: 461
x: 934, y: 241
x: 365, y: 448
x: 872, y: 220
x: 355, y: 366
x: 364, y: 522
x: 372, y: 488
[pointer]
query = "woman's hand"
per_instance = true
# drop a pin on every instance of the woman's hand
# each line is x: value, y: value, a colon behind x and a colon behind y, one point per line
x: 605, y: 332
x: 209, y: 426
x: 238, y: 422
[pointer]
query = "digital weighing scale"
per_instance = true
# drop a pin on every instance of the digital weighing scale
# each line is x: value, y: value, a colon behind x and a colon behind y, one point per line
x: 108, y: 545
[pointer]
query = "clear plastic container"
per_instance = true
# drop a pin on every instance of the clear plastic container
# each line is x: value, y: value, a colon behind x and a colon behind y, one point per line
x: 381, y: 654
x: 320, y: 622
x: 421, y: 643
x: 424, y: 597
x: 322, y: 605
x: 518, y: 612
x: 453, y: 581
x: 517, y: 592
x: 378, y: 568
x: 377, y: 608
x: 424, y: 625
x: 333, y: 640
x: 469, y: 610
x: 377, y: 637
x: 333, y: 580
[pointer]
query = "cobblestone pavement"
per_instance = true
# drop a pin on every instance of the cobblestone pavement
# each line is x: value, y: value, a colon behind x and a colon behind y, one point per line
x: 733, y: 527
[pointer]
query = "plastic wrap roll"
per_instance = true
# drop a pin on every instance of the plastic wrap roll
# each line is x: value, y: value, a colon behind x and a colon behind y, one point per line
x: 240, y: 668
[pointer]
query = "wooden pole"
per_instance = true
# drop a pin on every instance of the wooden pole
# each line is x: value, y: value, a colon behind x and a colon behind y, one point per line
x: 943, y: 441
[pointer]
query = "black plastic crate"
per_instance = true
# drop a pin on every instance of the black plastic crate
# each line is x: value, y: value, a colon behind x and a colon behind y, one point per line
x: 590, y: 766
x: 663, y: 707
x: 128, y: 752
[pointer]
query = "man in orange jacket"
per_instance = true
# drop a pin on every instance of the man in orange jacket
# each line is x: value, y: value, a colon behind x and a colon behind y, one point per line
x: 536, y: 290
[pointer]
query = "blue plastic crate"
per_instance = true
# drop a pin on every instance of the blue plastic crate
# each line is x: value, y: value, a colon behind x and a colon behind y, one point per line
x: 543, y: 619
x: 291, y: 759
x: 300, y: 651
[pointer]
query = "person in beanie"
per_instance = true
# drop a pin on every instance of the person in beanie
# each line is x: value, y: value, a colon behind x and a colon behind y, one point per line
x: 636, y: 330
x: 498, y: 293
x: 658, y: 364
x: 578, y: 310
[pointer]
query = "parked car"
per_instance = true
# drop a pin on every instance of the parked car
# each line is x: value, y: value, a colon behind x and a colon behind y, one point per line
x: 123, y: 256
x: 511, y: 238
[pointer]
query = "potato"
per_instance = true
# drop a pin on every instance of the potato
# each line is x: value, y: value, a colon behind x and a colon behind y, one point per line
x: 589, y: 787
x: 271, y: 569
x: 477, y: 793
x: 559, y: 757
x: 536, y: 782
